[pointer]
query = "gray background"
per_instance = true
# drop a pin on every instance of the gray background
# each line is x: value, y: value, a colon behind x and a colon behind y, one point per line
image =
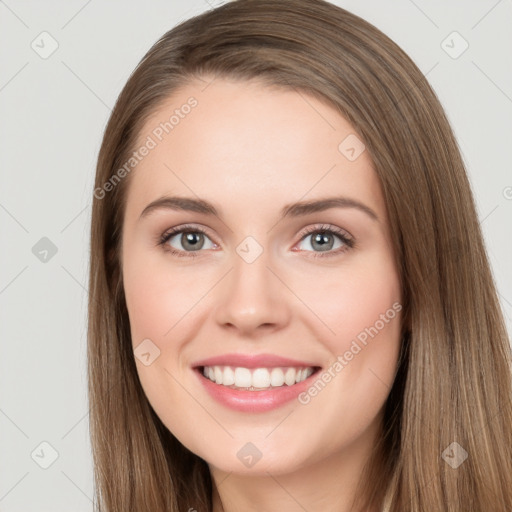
x: 53, y: 112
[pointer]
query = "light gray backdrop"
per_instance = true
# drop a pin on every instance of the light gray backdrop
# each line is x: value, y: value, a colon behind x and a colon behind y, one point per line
x: 54, y: 104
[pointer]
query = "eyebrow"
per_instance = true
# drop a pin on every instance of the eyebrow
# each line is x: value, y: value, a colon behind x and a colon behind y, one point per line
x: 291, y: 210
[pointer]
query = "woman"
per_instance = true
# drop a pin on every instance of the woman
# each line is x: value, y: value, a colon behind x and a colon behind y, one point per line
x: 291, y: 307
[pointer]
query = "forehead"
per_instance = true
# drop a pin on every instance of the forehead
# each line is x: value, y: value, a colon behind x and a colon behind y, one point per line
x: 232, y: 141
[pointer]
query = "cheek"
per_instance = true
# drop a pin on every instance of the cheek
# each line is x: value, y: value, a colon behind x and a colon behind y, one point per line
x: 358, y: 319
x: 156, y: 296
x: 361, y: 305
x: 352, y: 299
x: 158, y: 300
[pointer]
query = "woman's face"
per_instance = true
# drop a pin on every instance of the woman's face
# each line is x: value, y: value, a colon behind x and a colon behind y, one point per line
x: 274, y: 272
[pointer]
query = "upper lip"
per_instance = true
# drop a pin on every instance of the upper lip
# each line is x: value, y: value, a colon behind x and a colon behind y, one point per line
x: 252, y: 361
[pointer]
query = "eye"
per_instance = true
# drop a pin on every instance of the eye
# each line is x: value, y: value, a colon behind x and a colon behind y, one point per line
x: 191, y: 238
x: 323, y: 240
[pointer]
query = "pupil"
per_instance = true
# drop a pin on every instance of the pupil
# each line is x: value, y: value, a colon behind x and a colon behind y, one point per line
x: 192, y: 239
x: 323, y: 240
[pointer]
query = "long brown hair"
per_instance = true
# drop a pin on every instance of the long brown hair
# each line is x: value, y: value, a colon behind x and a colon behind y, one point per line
x: 453, y: 383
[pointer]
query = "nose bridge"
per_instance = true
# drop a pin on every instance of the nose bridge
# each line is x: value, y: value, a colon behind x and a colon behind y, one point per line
x: 252, y: 295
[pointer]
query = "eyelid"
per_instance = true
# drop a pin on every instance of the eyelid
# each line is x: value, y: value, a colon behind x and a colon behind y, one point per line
x: 186, y: 227
x: 315, y: 228
x: 346, y: 238
x: 176, y: 230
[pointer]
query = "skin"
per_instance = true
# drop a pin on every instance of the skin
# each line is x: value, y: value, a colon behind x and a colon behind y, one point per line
x: 250, y: 150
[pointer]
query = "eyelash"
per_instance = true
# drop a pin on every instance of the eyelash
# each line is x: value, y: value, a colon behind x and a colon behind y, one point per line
x: 348, y: 242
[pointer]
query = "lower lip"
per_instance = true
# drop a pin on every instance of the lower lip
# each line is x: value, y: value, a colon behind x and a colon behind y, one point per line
x: 254, y: 401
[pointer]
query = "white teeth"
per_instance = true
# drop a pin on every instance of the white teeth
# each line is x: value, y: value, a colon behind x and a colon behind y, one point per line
x: 242, y: 378
x: 261, y: 378
x: 228, y: 378
x: 290, y: 375
x: 257, y: 378
x: 277, y: 377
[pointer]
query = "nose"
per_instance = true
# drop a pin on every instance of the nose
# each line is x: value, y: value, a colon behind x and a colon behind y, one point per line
x: 252, y: 298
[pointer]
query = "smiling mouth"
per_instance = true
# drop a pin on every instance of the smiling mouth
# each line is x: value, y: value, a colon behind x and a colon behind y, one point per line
x: 257, y: 379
